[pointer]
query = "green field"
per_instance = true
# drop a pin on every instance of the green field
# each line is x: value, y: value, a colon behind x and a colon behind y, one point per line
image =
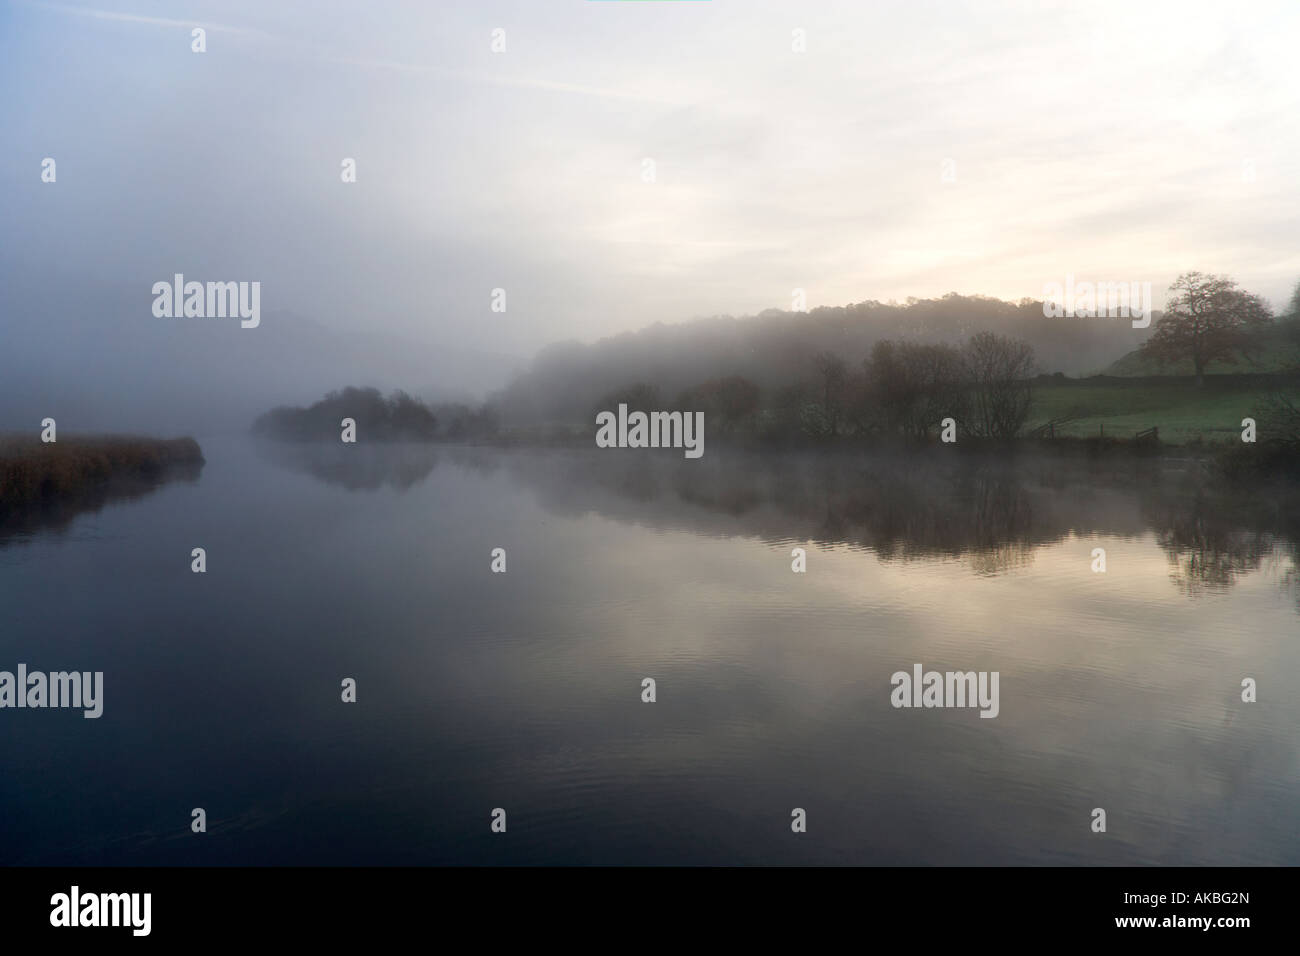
x: 1274, y: 350
x: 1123, y: 407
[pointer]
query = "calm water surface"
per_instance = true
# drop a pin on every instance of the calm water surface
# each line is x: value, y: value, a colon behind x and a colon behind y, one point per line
x: 522, y: 690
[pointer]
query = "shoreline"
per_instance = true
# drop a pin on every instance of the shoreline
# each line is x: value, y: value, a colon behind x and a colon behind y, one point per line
x: 44, y: 482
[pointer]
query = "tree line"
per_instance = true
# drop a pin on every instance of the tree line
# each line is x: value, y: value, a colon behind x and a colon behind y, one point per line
x: 901, y: 390
x: 783, y: 381
x: 399, y: 417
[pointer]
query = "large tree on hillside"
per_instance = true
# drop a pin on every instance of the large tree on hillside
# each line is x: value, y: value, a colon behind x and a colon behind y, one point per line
x: 1207, y: 317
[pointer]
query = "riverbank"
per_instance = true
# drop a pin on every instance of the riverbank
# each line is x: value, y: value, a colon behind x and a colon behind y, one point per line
x: 80, y: 472
x: 1182, y: 413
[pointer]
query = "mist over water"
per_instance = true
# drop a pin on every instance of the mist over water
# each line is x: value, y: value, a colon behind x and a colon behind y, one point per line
x: 522, y: 690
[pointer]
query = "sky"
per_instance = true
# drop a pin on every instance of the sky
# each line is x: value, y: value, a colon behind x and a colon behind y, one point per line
x: 909, y: 149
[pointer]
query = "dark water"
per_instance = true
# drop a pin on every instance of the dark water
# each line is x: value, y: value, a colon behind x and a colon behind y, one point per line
x: 523, y: 690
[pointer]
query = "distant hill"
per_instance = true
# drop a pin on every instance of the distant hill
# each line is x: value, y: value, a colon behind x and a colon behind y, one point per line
x: 775, y: 348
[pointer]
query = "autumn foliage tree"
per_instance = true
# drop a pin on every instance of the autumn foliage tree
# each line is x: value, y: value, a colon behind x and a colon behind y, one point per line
x: 1207, y: 318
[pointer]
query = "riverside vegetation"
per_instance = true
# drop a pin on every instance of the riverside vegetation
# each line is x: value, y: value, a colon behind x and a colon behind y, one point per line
x: 49, y: 482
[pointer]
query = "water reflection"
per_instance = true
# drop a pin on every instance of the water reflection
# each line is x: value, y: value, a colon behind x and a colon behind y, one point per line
x: 57, y: 514
x: 357, y: 468
x: 1119, y: 690
x: 993, y: 514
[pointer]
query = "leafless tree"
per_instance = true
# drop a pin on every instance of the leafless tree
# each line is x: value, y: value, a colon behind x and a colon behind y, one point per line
x: 998, y: 369
x: 1207, y: 318
x: 833, y: 373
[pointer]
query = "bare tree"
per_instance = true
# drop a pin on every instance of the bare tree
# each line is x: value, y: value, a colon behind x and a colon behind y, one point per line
x: 1207, y: 318
x: 834, y: 374
x: 998, y: 368
x: 1279, y: 418
x: 914, y: 386
x: 732, y: 402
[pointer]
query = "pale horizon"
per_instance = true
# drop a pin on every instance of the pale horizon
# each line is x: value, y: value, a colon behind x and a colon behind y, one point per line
x: 1077, y: 136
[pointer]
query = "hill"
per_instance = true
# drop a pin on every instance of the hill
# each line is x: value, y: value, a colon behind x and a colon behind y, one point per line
x: 775, y: 349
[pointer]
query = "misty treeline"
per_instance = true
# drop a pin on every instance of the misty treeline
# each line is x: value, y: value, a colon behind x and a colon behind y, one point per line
x: 900, y: 389
x: 775, y: 350
x: 820, y: 372
x: 399, y: 417
x: 867, y: 370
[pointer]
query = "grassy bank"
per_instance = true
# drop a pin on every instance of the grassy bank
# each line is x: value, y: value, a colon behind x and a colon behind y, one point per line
x: 34, y: 474
x: 1122, y: 407
x: 1101, y: 408
x: 1274, y: 349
